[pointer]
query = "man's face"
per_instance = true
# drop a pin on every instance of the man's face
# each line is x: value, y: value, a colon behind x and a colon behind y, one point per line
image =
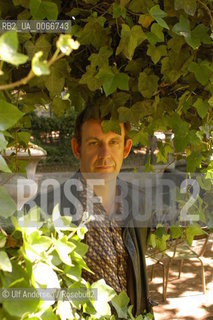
x: 100, y: 152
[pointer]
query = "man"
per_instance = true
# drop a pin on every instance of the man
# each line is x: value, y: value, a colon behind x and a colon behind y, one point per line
x: 116, y: 248
x: 115, y: 253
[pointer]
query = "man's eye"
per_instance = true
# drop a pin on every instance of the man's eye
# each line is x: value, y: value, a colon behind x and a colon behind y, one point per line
x: 114, y: 142
x: 93, y: 143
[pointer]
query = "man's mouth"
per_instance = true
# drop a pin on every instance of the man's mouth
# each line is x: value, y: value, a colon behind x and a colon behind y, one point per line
x: 104, y: 167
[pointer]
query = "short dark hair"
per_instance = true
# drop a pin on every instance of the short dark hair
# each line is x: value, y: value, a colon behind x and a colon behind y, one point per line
x: 94, y: 114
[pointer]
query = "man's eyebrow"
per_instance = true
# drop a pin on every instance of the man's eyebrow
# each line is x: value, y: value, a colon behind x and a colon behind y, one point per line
x: 92, y: 138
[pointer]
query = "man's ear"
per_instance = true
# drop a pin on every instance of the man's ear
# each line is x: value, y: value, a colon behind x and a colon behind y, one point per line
x: 76, y: 148
x: 127, y: 148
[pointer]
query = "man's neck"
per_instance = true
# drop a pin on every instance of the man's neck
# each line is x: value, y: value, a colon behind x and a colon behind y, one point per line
x: 107, y: 194
x: 104, y: 188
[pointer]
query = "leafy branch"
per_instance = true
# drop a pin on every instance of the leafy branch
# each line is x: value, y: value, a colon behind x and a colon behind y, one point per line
x: 65, y: 44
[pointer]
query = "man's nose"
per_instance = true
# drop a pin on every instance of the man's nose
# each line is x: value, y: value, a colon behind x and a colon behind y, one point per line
x: 103, y: 151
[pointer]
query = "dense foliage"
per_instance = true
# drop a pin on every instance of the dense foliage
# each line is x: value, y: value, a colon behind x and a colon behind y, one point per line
x: 146, y: 61
x: 48, y: 253
x: 152, y: 59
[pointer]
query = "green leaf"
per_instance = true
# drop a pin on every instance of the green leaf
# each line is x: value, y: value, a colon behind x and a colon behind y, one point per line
x: 140, y: 137
x: 7, y: 205
x: 105, y: 293
x: 191, y: 232
x: 176, y: 232
x: 152, y: 240
x: 5, y: 263
x: 147, y: 84
x: 201, y: 71
x: 3, y: 239
x: 189, y: 6
x: 43, y: 9
x: 111, y: 81
x: 130, y: 40
x: 202, y: 107
x: 101, y: 58
x: 18, y: 278
x: 156, y: 34
x: 182, y: 27
x: 120, y: 303
x: 8, y: 49
x: 66, y: 44
x: 193, y: 161
x: 44, y: 276
x: 156, y: 52
x: 158, y: 15
x: 59, y: 106
x: 111, y: 125
x: 56, y: 80
x: 42, y: 44
x: 64, y: 248
x: 140, y: 6
x: 145, y: 20
x: 39, y: 67
x: 3, y: 165
x: 118, y: 11
x: 89, y: 78
x: 93, y: 33
x: 23, y: 138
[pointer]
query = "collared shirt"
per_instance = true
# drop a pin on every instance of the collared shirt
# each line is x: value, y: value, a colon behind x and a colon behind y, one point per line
x: 106, y: 256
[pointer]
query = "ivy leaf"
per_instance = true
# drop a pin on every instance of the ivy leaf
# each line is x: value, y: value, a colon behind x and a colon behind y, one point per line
x: 42, y: 44
x: 59, y: 106
x: 152, y: 240
x: 191, y: 232
x: 111, y: 81
x: 43, y: 9
x: 156, y: 34
x: 182, y: 27
x: 111, y: 125
x: 3, y: 165
x: 9, y: 47
x: 120, y: 303
x: 66, y: 44
x: 64, y: 248
x: 145, y: 20
x: 93, y: 33
x: 140, y: 6
x: 9, y: 115
x: 181, y: 131
x: 201, y: 71
x: 55, y: 82
x: 141, y: 137
x: 44, y: 275
x: 39, y: 67
x: 5, y: 264
x: 189, y: 6
x: 118, y: 11
x: 89, y: 78
x: 176, y: 232
x: 193, y: 161
x: 7, y: 205
x: 158, y: 15
x: 202, y: 107
x: 3, y: 142
x: 105, y: 293
x: 100, y: 59
x: 147, y: 84
x: 156, y: 52
x: 130, y: 39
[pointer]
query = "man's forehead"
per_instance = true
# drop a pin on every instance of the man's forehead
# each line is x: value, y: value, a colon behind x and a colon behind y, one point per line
x: 93, y: 127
